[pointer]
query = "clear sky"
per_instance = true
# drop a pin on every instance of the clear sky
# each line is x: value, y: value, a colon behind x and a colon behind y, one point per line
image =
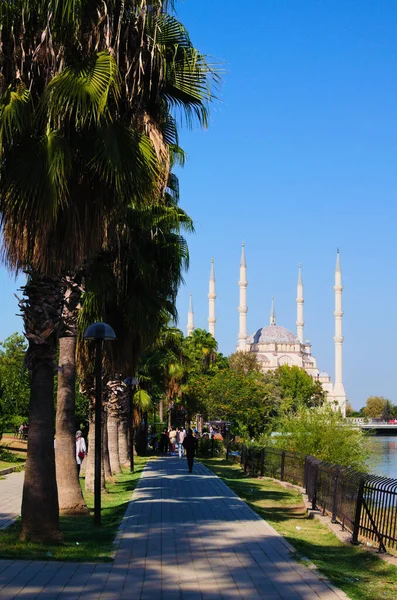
x: 300, y: 159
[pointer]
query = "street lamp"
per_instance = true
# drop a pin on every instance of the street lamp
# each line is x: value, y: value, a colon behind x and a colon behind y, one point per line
x: 98, y: 332
x: 130, y: 381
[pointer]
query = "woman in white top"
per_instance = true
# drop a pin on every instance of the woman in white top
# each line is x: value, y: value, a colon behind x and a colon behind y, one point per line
x: 81, y: 450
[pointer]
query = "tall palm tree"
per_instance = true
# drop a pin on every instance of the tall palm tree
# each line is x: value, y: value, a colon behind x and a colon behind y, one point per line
x: 143, y: 276
x: 82, y: 83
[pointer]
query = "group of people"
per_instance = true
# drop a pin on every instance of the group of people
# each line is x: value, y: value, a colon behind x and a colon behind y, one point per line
x: 171, y: 440
x: 179, y: 440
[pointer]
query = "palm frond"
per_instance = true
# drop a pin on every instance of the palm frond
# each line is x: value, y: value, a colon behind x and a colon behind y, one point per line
x: 81, y: 95
x: 16, y: 114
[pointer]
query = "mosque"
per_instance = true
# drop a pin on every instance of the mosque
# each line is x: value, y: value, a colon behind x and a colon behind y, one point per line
x: 275, y: 345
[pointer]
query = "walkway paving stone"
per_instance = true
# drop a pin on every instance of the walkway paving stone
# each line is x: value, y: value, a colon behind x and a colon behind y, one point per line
x: 184, y: 537
x: 10, y: 498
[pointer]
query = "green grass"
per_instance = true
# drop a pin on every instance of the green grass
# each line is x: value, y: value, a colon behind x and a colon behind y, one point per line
x: 82, y: 540
x: 362, y: 575
x: 11, y: 459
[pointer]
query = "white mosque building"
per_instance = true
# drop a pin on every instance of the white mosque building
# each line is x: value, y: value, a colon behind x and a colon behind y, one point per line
x: 275, y: 345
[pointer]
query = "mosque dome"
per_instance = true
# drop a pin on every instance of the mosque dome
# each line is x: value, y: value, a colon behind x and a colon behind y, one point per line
x: 273, y: 333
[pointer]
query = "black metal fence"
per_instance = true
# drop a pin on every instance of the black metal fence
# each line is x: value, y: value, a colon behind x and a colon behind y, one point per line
x: 365, y: 505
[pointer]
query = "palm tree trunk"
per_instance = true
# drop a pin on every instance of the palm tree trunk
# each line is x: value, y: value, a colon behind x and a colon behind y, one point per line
x: 89, y: 474
x: 105, y: 447
x: 41, y: 310
x: 70, y: 495
x: 113, y: 442
x: 161, y: 410
x: 123, y: 442
x: 116, y: 391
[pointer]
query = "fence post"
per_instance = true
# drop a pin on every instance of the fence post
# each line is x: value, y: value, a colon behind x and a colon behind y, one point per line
x: 315, y: 483
x: 335, y: 497
x: 262, y: 461
x: 212, y: 447
x: 305, y: 475
x: 357, y: 517
x: 282, y: 466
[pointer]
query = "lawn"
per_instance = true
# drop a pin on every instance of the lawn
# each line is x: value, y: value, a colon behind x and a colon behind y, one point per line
x: 11, y: 459
x: 363, y: 576
x: 82, y: 540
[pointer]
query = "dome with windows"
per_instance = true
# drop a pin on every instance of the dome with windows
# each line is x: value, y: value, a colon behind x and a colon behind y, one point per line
x: 273, y: 334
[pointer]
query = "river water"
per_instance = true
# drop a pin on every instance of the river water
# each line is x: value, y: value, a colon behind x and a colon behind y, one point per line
x: 385, y: 455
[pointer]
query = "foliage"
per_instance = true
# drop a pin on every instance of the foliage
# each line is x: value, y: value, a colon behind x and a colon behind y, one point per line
x: 387, y: 412
x: 322, y: 432
x: 349, y: 409
x: 234, y: 396
x: 244, y: 362
x: 374, y: 407
x: 293, y: 386
x: 14, y: 382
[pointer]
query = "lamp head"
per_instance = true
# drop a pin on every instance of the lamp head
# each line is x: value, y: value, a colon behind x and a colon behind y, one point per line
x: 99, y: 332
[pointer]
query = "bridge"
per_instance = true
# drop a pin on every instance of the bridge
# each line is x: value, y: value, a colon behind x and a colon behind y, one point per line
x: 378, y: 426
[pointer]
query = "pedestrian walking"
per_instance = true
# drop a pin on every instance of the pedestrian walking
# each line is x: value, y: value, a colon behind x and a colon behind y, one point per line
x: 81, y: 450
x: 164, y: 442
x: 180, y: 436
x: 189, y: 443
x: 172, y: 436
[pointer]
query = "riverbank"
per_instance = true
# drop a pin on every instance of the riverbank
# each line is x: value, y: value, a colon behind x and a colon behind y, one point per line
x: 362, y: 576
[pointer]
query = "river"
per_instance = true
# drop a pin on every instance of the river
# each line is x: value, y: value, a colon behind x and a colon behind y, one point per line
x: 385, y: 455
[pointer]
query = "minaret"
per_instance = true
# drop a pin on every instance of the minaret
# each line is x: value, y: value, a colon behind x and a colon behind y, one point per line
x: 299, y: 307
x: 211, y: 299
x: 339, y: 390
x: 273, y: 314
x: 190, y: 317
x: 242, y: 309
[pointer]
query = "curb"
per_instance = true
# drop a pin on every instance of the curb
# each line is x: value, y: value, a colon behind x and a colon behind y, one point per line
x: 8, y: 471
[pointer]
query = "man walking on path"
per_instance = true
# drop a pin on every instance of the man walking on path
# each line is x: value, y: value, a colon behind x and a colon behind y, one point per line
x: 189, y: 443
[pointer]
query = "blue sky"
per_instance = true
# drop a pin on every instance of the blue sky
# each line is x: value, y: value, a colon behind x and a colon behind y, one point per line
x: 299, y: 159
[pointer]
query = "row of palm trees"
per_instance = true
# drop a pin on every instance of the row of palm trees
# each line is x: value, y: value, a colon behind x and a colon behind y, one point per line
x: 89, y: 92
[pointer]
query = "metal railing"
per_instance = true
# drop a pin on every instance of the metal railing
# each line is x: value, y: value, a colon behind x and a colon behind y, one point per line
x: 365, y: 505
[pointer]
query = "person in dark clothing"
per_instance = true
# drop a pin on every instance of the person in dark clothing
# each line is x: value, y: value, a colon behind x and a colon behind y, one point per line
x: 164, y: 442
x: 189, y: 443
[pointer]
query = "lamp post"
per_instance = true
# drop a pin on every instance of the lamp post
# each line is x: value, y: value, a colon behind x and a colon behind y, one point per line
x: 130, y: 381
x: 98, y: 332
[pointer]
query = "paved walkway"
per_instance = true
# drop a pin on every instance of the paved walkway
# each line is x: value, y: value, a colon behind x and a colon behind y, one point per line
x: 10, y: 498
x: 184, y: 536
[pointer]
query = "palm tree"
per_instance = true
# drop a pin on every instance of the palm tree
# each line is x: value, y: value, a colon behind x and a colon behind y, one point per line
x: 80, y: 138
x: 135, y: 291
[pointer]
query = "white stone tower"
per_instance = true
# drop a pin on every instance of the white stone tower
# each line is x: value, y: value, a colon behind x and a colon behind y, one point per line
x: 339, y: 390
x: 273, y: 314
x: 242, y: 345
x: 190, y: 317
x: 211, y: 302
x: 299, y: 307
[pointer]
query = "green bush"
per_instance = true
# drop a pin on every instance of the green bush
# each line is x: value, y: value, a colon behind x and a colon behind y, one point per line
x: 205, y: 447
x: 323, y: 433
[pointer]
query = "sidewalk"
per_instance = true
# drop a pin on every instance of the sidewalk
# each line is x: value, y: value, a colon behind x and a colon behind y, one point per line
x: 10, y: 498
x: 184, y: 536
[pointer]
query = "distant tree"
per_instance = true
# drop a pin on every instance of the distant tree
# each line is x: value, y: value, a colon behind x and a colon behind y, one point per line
x: 244, y: 362
x: 242, y: 398
x: 293, y: 386
x: 349, y: 409
x: 14, y: 381
x: 387, y: 412
x: 374, y: 407
x: 323, y: 433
